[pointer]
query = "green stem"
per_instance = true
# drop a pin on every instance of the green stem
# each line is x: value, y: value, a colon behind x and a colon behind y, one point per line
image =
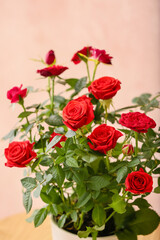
x: 94, y: 235
x: 136, y: 148
x: 125, y: 108
x: 49, y: 87
x: 94, y: 72
x: 88, y: 72
x: 107, y: 162
x: 52, y: 97
x: 110, y: 216
x: 81, y: 221
x: 30, y: 133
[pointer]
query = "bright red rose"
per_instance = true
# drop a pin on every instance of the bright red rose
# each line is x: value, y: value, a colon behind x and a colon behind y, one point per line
x: 16, y: 92
x: 128, y: 149
x: 19, y: 154
x: 52, y: 71
x: 78, y: 112
x: 137, y: 121
x: 104, y: 88
x: 63, y: 139
x: 103, y: 138
x: 101, y: 55
x: 139, y: 182
x: 85, y: 51
x: 50, y: 57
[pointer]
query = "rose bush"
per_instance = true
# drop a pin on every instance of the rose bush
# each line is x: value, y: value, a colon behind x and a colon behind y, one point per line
x: 85, y: 161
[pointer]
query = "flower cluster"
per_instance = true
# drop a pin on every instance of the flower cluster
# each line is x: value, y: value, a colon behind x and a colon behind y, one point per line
x: 85, y: 170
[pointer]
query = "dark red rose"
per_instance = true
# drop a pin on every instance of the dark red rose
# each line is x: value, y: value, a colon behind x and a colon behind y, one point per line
x: 19, y: 154
x: 78, y: 112
x: 101, y: 55
x: 16, y: 92
x: 85, y: 51
x: 104, y: 88
x: 128, y: 149
x: 50, y: 57
x: 52, y: 71
x: 139, y: 182
x: 63, y: 139
x: 103, y: 138
x: 137, y: 121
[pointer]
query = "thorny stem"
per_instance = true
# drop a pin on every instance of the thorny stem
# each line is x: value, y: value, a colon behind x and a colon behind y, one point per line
x: 30, y: 133
x: 88, y: 72
x: 52, y: 97
x: 136, y: 148
x: 94, y: 72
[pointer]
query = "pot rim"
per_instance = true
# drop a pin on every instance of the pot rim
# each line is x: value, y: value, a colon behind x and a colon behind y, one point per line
x: 64, y: 230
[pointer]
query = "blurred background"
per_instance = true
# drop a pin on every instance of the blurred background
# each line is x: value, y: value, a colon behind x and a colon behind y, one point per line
x: 128, y: 30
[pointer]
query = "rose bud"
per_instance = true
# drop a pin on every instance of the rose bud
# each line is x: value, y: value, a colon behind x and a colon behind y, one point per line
x: 50, y: 57
x: 127, y: 149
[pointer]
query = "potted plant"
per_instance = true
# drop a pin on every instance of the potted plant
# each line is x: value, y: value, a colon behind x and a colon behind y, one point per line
x: 91, y: 166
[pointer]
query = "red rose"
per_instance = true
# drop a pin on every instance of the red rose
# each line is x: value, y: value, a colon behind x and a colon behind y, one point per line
x: 137, y: 121
x: 94, y: 53
x: 101, y: 55
x: 16, y: 92
x: 103, y: 138
x: 127, y: 149
x: 139, y: 182
x: 104, y: 88
x: 19, y: 154
x: 78, y: 112
x: 52, y: 71
x: 63, y: 139
x: 50, y: 57
x: 85, y: 51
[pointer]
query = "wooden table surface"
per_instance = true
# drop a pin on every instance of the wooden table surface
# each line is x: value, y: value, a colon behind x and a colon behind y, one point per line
x: 16, y: 228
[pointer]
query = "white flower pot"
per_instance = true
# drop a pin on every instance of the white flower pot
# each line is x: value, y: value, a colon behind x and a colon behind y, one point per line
x: 61, y: 234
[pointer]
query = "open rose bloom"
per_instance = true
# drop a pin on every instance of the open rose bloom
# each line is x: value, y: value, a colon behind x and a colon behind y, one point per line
x: 85, y: 159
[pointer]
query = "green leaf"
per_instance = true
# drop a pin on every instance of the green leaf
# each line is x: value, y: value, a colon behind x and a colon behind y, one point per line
x: 59, y: 130
x: 31, y: 218
x: 99, y: 215
x: 141, y: 203
x: 83, y: 200
x: 54, y: 209
x: 157, y: 189
x: 53, y: 142
x: 24, y: 114
x: 54, y: 120
x: 74, y: 216
x: 98, y: 182
x: 145, y: 222
x: 40, y: 217
x: 27, y: 201
x: 60, y: 159
x: 71, y: 162
x: 133, y: 163
x: 37, y: 191
x: 58, y: 175
x: 85, y: 234
x: 11, y: 135
x: 126, y: 234
x: 118, y: 203
x: 80, y: 84
x: 70, y: 134
x: 49, y: 195
x: 122, y: 172
x: 62, y: 221
x: 29, y: 183
x: 71, y: 81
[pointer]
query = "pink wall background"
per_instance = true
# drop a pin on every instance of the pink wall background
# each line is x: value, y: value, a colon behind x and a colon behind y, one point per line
x: 128, y: 30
